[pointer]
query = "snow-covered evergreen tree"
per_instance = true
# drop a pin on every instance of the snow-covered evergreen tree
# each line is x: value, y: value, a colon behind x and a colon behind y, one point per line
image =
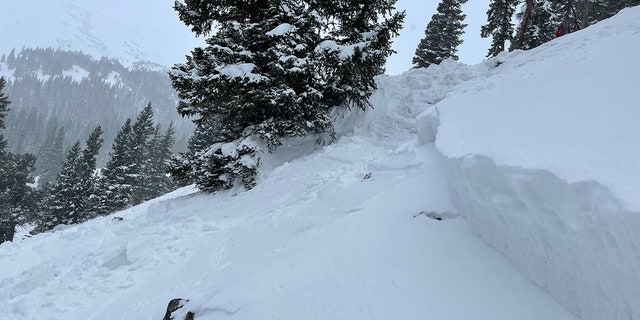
x: 542, y: 25
x: 356, y: 47
x: 88, y: 178
x: 64, y: 202
x: 135, y: 171
x: 51, y: 156
x: 117, y: 185
x: 4, y: 110
x: 15, y: 173
x: 182, y: 166
x: 442, y: 35
x: 142, y: 132
x: 70, y: 199
x: 499, y: 25
x: 273, y: 69
x: 157, y: 182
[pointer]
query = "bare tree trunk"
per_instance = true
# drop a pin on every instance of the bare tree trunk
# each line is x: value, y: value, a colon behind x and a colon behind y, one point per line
x: 519, y: 38
x: 7, y: 231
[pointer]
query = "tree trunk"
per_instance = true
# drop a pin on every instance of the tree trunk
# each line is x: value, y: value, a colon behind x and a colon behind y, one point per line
x: 517, y: 42
x: 7, y: 231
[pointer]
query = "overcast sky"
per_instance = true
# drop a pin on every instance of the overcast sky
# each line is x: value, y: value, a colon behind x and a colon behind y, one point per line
x: 151, y: 29
x: 419, y: 13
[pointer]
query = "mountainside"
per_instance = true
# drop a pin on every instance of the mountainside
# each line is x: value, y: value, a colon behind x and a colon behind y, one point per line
x: 534, y: 152
x: 129, y: 31
x: 55, y: 89
x: 75, y: 64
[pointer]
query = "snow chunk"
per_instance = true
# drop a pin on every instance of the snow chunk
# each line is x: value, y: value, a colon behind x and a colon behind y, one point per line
x: 281, y: 30
x: 344, y: 51
x: 240, y: 70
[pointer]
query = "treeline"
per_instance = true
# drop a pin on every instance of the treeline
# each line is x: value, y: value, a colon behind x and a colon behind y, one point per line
x: 537, y: 21
x: 134, y: 172
x: 67, y: 93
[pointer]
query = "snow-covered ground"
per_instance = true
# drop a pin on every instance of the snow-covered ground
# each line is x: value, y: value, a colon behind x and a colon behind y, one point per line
x: 315, y: 240
x: 537, y: 156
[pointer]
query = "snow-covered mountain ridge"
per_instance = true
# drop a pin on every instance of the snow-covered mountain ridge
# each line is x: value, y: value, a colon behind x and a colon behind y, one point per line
x: 54, y: 89
x: 132, y: 32
x: 533, y: 152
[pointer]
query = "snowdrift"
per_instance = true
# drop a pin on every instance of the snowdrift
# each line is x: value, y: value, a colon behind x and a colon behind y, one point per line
x: 544, y: 162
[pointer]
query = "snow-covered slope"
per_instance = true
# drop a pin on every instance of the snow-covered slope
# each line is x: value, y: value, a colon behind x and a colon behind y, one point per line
x: 128, y: 30
x: 315, y: 240
x: 380, y: 224
x: 544, y: 162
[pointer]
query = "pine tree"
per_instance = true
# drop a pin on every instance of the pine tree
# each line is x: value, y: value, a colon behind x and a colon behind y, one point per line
x: 88, y: 179
x: 142, y: 133
x: 15, y: 194
x: 499, y: 25
x: 442, y: 35
x: 51, y: 156
x: 571, y: 14
x: 182, y: 166
x: 540, y: 18
x: 70, y: 199
x: 274, y: 69
x: 542, y: 25
x: 524, y: 16
x: 117, y: 185
x: 7, y: 220
x: 15, y: 173
x: 4, y: 110
x: 64, y: 202
x: 603, y: 9
x: 157, y: 183
x: 363, y: 29
x: 135, y: 171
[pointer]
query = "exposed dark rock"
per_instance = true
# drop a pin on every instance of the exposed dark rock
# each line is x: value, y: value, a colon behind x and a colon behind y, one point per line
x: 174, y: 305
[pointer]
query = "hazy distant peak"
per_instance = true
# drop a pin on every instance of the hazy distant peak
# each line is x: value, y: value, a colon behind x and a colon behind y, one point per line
x: 146, y: 30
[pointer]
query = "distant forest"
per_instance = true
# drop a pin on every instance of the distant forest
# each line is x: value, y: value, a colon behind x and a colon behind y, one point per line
x: 68, y: 93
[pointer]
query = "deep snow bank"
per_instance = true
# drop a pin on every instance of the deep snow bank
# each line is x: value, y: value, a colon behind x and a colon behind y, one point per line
x: 572, y: 239
x: 544, y: 161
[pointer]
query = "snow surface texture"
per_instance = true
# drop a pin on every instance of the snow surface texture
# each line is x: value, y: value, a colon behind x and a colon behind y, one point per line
x: 343, y: 233
x: 368, y: 227
x: 544, y: 162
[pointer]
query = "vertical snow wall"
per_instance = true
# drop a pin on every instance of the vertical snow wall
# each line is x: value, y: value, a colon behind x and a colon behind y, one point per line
x: 574, y: 240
